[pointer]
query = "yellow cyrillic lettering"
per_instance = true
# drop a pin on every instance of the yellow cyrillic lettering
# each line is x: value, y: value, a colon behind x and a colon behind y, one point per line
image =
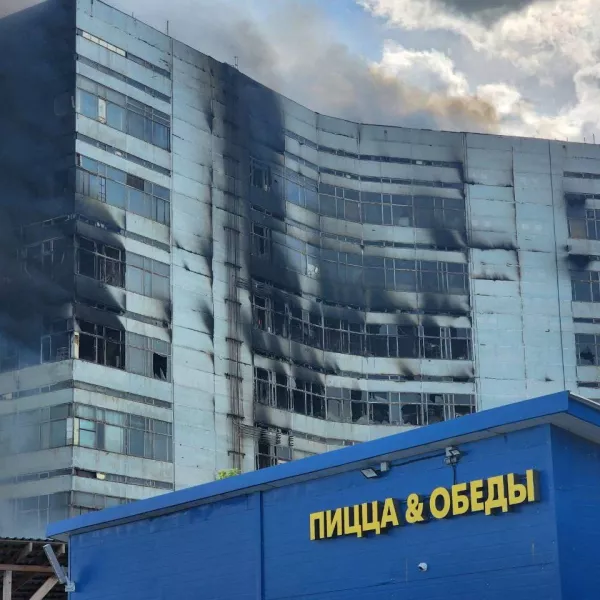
x: 440, y: 494
x: 477, y: 495
x: 496, y: 498
x: 415, y: 509
x: 355, y: 527
x: 334, y: 523
x: 317, y: 518
x: 532, y: 483
x: 517, y: 492
x: 460, y: 499
x: 389, y: 514
x: 370, y: 517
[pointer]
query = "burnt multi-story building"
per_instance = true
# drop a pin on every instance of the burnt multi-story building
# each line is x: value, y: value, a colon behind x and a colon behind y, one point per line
x: 199, y: 274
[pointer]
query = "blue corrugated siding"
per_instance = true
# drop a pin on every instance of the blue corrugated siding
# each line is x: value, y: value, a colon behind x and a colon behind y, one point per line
x: 577, y: 493
x: 215, y: 551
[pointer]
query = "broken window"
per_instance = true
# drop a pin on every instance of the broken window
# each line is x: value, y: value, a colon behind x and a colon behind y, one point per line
x: 460, y: 344
x: 587, y: 349
x: 379, y: 414
x: 412, y: 409
x: 261, y: 309
x: 431, y: 343
x: 464, y: 404
x: 262, y: 386
x: 101, y: 345
x: 343, y: 405
x: 391, y: 209
x: 335, y: 410
x: 338, y: 335
x: 101, y: 262
x: 56, y: 340
x: 159, y: 366
x: 435, y: 408
x: 299, y: 398
x: 282, y: 394
x: 359, y: 412
x: 260, y: 176
x: 279, y: 318
x: 336, y: 340
x: 52, y: 257
x: 265, y: 455
x: 377, y: 340
x: 261, y: 241
x: 315, y: 401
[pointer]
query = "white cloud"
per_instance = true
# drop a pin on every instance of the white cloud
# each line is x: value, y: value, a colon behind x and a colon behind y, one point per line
x: 532, y: 38
x: 549, y: 42
x: 431, y: 70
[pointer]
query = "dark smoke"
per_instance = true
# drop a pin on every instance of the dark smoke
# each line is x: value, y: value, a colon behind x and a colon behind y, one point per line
x: 487, y: 11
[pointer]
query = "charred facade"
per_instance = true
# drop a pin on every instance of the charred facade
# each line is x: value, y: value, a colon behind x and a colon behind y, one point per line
x: 200, y: 274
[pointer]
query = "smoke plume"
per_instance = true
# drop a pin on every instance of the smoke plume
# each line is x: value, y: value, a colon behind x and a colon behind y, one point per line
x: 293, y: 48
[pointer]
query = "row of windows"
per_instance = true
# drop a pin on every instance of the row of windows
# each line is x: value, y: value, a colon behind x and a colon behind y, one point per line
x: 124, y: 78
x: 402, y: 211
x: 38, y: 511
x: 149, y: 357
x: 576, y: 175
x: 363, y: 206
x: 123, y: 433
x: 122, y: 154
x: 269, y: 455
x: 102, y: 429
x: 123, y: 53
x: 113, y: 266
x: 343, y: 405
x: 278, y: 317
x: 122, y: 190
x: 75, y: 472
x: 404, y: 181
x: 34, y: 430
x: 123, y: 113
x: 110, y: 265
x: 376, y: 158
x: 127, y: 479
x: 358, y: 269
x: 379, y: 209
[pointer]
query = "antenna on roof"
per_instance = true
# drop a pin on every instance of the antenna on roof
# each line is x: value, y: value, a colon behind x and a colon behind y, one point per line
x: 167, y: 27
x: 236, y: 62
